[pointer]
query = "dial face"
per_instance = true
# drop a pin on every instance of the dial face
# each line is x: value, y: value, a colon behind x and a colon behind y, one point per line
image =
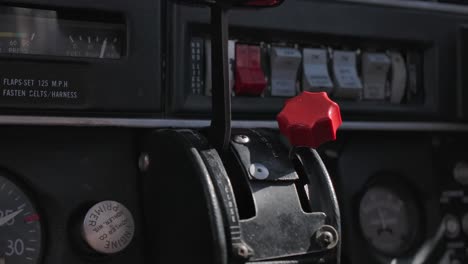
x: 385, y: 221
x: 20, y: 228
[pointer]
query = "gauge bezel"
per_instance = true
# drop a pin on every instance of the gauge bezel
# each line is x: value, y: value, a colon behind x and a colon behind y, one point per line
x: 399, y: 186
x: 25, y: 187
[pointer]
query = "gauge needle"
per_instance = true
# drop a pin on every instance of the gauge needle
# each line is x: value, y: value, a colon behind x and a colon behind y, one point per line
x: 9, y: 217
x: 103, y: 48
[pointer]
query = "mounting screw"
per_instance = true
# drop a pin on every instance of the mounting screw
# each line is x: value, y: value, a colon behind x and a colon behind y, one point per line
x: 241, y: 139
x: 143, y: 162
x: 242, y: 251
x: 326, y: 237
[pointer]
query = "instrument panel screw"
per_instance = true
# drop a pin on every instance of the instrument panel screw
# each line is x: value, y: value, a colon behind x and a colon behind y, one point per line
x: 326, y: 237
x: 241, y: 139
x: 143, y: 162
x: 242, y: 251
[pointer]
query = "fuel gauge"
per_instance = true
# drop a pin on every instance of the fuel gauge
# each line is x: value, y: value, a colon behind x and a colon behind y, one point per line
x: 93, y: 46
x: 48, y: 33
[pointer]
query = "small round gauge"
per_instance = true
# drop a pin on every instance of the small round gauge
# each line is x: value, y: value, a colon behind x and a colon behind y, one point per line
x: 386, y: 220
x: 20, y: 227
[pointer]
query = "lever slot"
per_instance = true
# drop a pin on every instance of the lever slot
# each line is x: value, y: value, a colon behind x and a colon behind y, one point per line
x: 241, y: 187
x: 303, y: 188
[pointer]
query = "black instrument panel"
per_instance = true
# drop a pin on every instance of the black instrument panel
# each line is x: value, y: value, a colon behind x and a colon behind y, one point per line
x: 93, y: 58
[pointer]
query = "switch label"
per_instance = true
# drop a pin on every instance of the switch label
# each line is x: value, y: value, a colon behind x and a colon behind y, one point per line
x: 375, y: 68
x: 285, y: 63
x: 315, y: 71
x: 348, y: 83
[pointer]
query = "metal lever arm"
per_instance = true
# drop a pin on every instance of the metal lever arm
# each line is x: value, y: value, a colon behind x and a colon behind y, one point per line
x: 220, y: 132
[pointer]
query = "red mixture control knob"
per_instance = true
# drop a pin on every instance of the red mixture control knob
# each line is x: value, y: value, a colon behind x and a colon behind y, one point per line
x: 309, y: 119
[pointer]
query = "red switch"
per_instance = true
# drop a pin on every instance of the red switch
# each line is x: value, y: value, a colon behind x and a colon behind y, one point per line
x: 309, y: 119
x: 250, y: 79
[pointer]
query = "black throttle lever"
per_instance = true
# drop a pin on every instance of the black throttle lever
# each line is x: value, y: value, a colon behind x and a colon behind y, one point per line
x: 220, y: 129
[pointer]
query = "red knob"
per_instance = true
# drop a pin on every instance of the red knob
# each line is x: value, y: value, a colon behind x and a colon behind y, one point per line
x: 309, y: 119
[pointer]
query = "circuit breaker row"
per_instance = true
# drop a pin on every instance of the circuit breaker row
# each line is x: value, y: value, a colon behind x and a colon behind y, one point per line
x: 283, y: 71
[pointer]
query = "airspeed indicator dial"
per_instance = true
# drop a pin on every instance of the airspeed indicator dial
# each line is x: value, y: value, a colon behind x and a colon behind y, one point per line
x: 20, y: 227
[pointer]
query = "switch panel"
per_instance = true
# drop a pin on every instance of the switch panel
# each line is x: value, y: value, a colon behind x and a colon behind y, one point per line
x: 250, y: 79
x: 316, y: 76
x: 398, y: 77
x: 284, y: 63
x: 348, y: 84
x: 375, y: 67
x: 361, y: 74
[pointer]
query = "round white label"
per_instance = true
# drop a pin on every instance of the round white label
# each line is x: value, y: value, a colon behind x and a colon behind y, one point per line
x: 108, y: 227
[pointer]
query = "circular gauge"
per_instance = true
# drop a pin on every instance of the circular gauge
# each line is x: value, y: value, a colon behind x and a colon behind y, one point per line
x: 386, y: 220
x: 20, y: 228
x: 452, y: 226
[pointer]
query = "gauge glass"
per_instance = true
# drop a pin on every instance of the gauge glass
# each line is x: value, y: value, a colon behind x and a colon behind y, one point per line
x: 20, y: 228
x: 385, y: 221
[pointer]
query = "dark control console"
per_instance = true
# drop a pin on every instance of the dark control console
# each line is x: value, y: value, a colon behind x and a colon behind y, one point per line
x: 117, y: 161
